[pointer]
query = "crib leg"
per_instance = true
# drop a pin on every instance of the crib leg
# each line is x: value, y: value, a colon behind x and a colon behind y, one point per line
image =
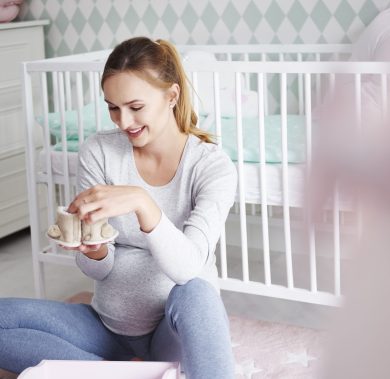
x: 40, y: 288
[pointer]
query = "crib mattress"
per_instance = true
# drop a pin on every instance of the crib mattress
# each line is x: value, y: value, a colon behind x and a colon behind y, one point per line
x: 251, y: 178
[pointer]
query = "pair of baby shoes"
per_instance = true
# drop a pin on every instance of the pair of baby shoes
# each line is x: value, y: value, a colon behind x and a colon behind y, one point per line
x: 69, y: 231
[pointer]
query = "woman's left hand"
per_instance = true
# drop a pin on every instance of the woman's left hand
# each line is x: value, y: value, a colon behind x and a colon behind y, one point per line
x: 104, y: 201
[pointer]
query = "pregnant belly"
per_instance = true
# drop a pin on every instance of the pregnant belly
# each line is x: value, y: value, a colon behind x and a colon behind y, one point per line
x: 134, y: 294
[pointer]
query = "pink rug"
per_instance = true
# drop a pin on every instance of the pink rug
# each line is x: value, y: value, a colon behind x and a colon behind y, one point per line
x: 271, y: 350
x: 266, y: 350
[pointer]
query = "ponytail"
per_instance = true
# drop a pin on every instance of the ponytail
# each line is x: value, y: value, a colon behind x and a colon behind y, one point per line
x: 183, y: 111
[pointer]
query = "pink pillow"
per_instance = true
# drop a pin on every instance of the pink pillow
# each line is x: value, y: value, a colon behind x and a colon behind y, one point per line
x: 9, y: 9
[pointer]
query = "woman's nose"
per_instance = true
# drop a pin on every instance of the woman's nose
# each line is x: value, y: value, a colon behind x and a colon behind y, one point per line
x: 125, y: 120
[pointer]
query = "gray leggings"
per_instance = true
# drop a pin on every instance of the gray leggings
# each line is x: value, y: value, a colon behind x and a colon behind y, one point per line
x: 194, y: 331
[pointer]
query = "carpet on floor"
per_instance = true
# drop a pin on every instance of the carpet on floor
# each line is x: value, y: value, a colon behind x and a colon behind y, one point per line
x: 265, y: 350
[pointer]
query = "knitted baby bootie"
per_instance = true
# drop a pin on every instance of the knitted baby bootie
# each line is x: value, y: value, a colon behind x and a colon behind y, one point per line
x: 99, y: 232
x: 69, y: 231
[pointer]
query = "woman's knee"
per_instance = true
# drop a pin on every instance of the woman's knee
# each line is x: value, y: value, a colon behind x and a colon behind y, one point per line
x: 10, y: 309
x: 195, y: 294
x: 19, y: 312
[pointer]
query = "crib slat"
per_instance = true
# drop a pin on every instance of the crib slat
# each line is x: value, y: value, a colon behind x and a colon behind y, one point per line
x: 336, y: 217
x: 384, y: 97
x: 265, y: 92
x: 336, y: 241
x: 300, y: 88
x: 195, y: 98
x: 263, y: 181
x: 64, y: 142
x: 217, y: 108
x: 47, y: 149
x: 247, y: 74
x: 80, y: 102
x: 286, y: 202
x: 68, y: 91
x: 358, y: 120
x: 241, y: 183
x: 28, y: 106
x: 318, y: 81
x: 332, y: 84
x: 55, y: 90
x: 90, y: 86
x: 310, y: 226
x: 358, y: 100
x: 96, y: 86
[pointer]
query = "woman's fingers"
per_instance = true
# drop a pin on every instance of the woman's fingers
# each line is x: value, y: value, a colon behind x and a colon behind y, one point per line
x: 83, y: 248
x: 77, y: 203
x: 68, y: 248
x: 83, y: 198
x: 72, y: 207
x: 89, y: 248
x: 102, y: 201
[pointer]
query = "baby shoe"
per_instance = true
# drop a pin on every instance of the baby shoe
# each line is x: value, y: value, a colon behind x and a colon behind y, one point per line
x: 99, y: 232
x: 69, y: 231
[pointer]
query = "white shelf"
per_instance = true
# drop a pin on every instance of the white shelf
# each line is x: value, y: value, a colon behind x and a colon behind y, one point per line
x: 23, y: 24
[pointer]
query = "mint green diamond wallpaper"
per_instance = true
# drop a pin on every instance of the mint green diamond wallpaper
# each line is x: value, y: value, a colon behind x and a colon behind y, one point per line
x: 85, y: 25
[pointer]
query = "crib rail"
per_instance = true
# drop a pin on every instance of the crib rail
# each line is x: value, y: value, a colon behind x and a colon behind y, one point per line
x: 262, y: 229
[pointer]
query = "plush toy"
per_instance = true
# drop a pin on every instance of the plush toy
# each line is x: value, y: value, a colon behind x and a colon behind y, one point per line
x: 9, y: 9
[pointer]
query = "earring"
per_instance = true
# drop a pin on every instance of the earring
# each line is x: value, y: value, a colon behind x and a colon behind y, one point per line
x: 171, y: 105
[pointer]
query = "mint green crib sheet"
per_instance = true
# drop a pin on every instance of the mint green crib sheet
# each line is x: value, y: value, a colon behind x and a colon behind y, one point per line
x: 296, y: 138
x: 71, y: 122
x: 296, y: 133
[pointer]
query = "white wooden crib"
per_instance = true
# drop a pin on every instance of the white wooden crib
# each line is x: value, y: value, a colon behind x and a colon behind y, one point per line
x: 246, y: 94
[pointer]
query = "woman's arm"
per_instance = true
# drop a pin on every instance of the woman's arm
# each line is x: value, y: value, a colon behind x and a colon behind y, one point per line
x: 183, y: 253
x: 94, y: 261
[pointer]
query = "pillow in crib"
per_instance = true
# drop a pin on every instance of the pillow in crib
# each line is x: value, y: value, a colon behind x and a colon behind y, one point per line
x: 249, y: 104
x: 296, y: 135
x: 227, y: 85
x: 71, y: 146
x: 71, y: 121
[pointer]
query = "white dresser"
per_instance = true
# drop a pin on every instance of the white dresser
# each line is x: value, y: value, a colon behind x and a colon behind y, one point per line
x: 19, y: 41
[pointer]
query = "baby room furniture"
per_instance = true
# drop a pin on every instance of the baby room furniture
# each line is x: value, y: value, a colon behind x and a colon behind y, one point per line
x: 19, y: 41
x: 261, y: 101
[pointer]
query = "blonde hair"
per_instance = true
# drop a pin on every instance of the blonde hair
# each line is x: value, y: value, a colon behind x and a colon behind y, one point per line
x: 140, y: 55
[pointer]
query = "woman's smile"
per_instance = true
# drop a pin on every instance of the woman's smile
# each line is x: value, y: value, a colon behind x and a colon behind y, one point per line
x: 134, y: 133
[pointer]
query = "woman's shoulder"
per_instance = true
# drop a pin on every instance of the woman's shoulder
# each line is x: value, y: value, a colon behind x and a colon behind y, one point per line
x: 105, y: 139
x: 209, y: 156
x: 207, y: 149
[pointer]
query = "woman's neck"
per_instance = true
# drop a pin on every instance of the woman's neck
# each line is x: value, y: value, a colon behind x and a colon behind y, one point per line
x: 168, y: 146
x: 158, y: 165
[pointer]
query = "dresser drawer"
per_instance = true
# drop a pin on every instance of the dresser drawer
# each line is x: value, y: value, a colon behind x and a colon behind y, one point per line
x: 19, y: 42
x: 13, y: 189
x: 16, y: 46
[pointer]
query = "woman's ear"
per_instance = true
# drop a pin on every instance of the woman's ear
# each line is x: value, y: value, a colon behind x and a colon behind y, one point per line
x: 173, y: 93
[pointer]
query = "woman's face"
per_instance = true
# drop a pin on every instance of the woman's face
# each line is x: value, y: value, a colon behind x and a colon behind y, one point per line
x: 140, y: 110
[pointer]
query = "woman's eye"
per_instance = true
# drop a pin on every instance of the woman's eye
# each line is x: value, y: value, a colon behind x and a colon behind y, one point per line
x: 136, y: 108
x: 112, y: 108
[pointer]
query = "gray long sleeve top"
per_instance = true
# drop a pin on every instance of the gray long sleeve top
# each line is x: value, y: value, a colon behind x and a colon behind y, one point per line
x: 133, y: 281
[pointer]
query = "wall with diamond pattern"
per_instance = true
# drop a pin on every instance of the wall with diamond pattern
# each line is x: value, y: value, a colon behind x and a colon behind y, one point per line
x: 85, y: 25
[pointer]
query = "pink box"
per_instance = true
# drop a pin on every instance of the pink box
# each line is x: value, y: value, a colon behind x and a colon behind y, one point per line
x: 102, y: 370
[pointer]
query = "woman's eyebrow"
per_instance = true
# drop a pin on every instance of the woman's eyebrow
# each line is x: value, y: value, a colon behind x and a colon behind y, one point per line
x: 126, y: 103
